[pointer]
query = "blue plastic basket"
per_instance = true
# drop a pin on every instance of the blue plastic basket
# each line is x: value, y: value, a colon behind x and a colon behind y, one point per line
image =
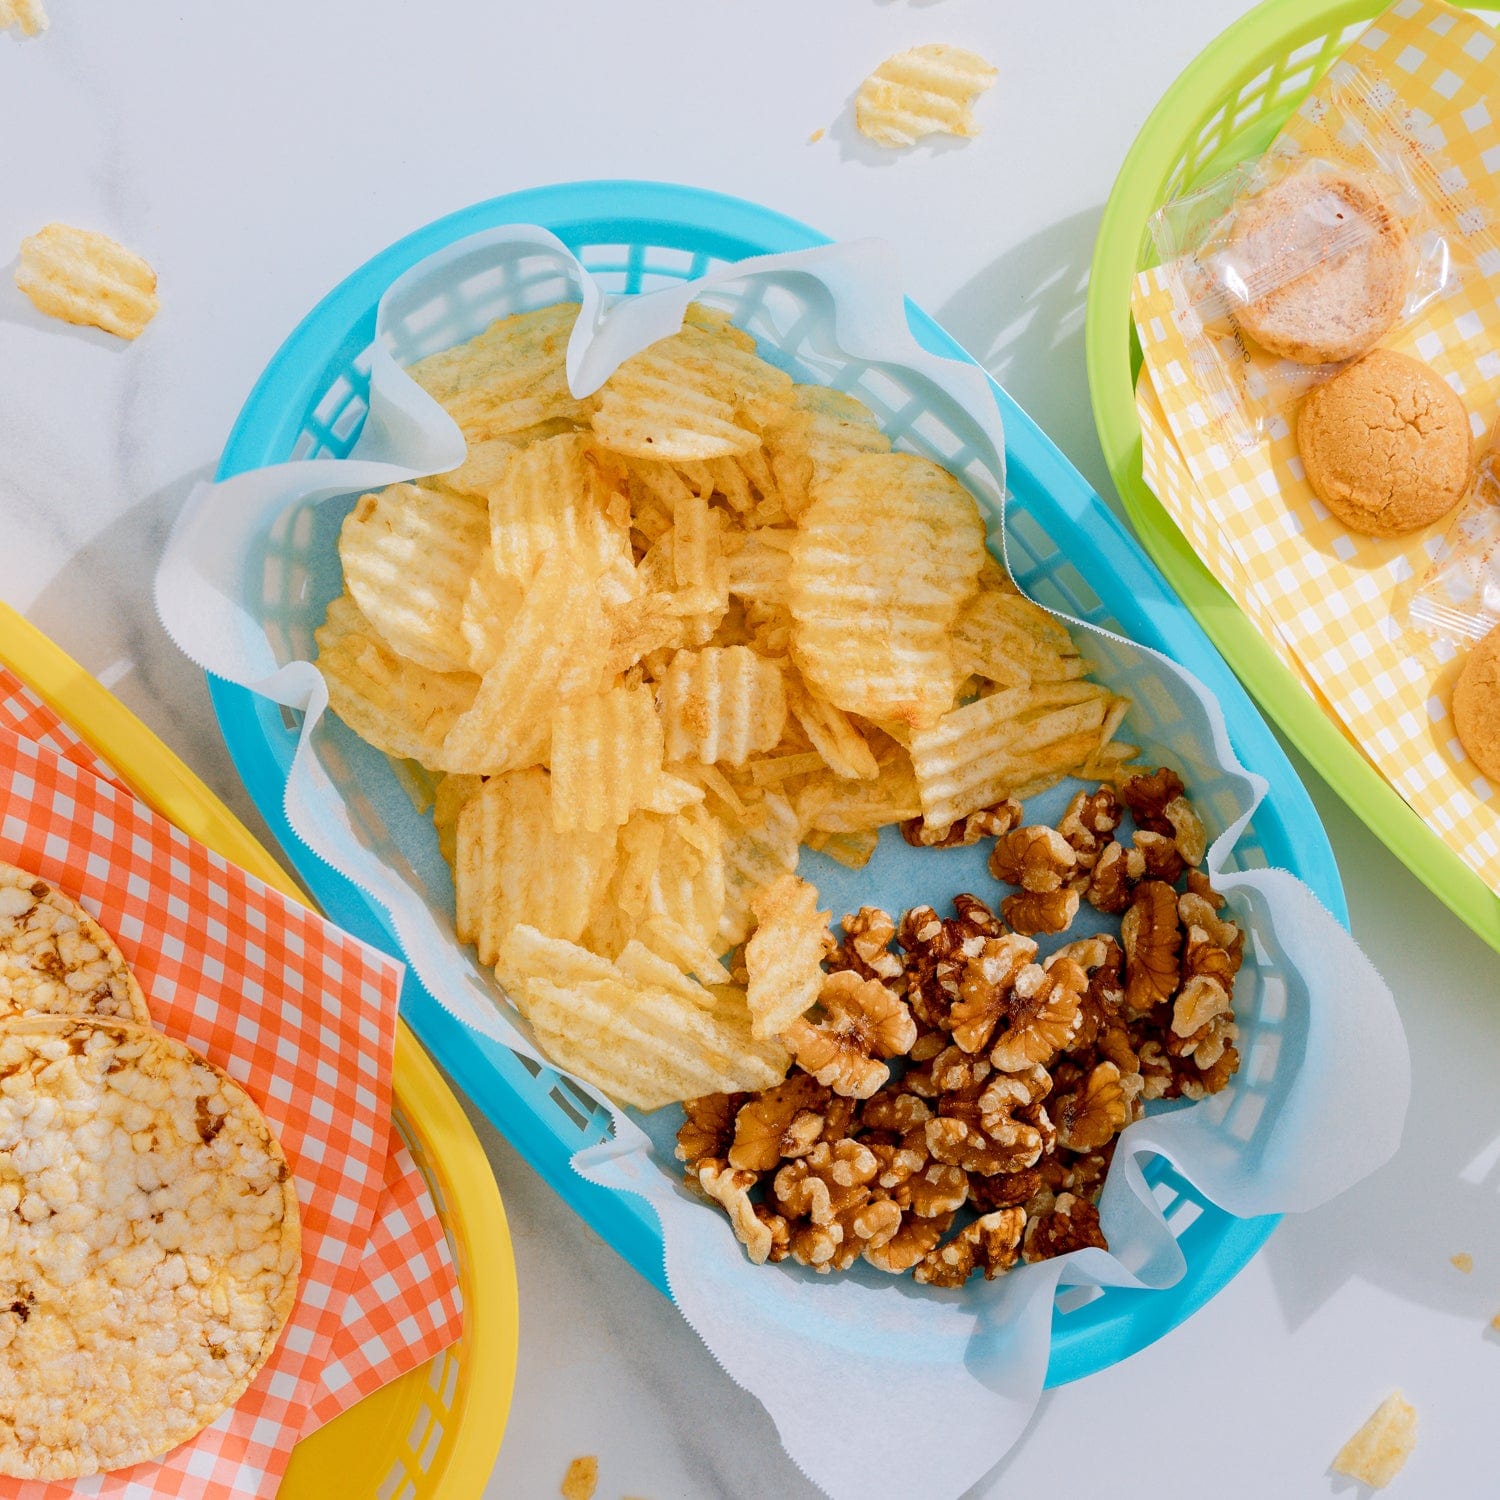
x: 1066, y: 548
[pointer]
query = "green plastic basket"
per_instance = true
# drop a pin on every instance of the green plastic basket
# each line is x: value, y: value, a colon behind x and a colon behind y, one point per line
x: 1226, y: 107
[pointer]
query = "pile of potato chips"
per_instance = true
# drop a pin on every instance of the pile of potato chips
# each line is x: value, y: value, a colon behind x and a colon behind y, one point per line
x: 653, y: 640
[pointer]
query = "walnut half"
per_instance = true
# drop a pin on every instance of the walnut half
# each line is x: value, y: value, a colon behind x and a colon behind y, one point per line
x: 862, y: 1022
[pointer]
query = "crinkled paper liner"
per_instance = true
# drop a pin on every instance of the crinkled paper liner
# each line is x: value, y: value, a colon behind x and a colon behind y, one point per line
x: 1318, y: 1103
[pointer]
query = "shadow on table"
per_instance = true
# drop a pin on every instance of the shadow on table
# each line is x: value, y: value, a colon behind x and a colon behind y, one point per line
x: 99, y: 609
x: 1022, y: 317
x: 1440, y: 1195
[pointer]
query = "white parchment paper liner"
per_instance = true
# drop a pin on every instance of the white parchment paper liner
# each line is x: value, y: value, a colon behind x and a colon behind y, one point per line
x: 877, y: 1387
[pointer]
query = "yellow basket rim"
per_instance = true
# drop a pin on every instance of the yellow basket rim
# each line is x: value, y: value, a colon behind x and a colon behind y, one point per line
x: 475, y: 1215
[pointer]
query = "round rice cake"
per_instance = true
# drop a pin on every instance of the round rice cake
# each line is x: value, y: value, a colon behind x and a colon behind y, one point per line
x: 150, y: 1250
x: 55, y: 959
x: 1326, y: 263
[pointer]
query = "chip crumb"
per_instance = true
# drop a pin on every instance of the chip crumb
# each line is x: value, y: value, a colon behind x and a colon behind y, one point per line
x: 27, y: 14
x: 1495, y: 1322
x: 815, y: 137
x: 1377, y: 1452
x: 1463, y: 1261
x: 582, y: 1479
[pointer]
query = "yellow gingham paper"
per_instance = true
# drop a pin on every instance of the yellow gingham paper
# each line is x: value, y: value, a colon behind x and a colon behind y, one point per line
x: 1329, y: 599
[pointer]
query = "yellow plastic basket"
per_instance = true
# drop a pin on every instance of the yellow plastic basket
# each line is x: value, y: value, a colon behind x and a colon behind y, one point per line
x: 436, y: 1431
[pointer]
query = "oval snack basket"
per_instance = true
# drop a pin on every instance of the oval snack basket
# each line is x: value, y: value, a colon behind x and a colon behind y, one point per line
x: 1226, y: 108
x: 633, y: 236
x: 435, y: 1431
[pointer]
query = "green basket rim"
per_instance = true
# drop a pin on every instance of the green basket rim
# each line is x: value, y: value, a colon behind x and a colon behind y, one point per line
x: 1257, y: 41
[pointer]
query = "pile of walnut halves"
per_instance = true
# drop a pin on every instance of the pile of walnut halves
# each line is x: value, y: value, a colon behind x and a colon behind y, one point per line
x: 1017, y: 1073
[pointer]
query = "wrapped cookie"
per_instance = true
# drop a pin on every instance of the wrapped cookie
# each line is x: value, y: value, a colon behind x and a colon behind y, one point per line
x: 1290, y: 266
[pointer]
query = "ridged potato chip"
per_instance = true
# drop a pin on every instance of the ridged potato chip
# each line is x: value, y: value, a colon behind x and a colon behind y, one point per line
x: 824, y: 428
x: 399, y: 707
x: 510, y: 378
x: 408, y: 555
x: 642, y: 1042
x: 491, y: 603
x: 607, y: 761
x: 557, y: 643
x: 926, y: 91
x: 989, y: 749
x: 721, y: 704
x: 759, y: 569
x: 696, y: 395
x: 837, y: 739
x: 886, y: 556
x: 754, y: 856
x: 449, y: 796
x: 1003, y: 637
x: 512, y: 867
x: 83, y: 277
x: 784, y: 956
x: 549, y: 496
x: 836, y: 804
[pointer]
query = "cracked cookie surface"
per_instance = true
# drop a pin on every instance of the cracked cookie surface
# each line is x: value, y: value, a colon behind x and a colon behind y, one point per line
x: 1386, y: 445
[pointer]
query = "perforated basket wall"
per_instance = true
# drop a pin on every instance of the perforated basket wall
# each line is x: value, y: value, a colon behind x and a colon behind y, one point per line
x: 1063, y: 548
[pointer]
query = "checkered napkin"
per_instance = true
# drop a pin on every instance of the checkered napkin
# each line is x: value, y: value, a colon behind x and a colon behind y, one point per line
x: 304, y: 1017
x: 404, y: 1306
x: 1330, y: 601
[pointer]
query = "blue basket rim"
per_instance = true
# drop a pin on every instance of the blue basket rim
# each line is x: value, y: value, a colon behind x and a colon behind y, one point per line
x: 260, y: 436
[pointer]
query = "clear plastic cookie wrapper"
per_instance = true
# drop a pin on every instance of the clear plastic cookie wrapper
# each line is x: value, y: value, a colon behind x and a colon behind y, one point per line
x: 1290, y: 265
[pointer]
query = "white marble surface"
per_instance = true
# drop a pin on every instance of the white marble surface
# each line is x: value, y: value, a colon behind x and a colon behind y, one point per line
x: 256, y: 153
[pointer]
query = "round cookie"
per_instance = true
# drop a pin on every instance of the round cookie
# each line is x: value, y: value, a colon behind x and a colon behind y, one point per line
x: 55, y: 959
x: 1476, y: 705
x: 1386, y: 445
x: 151, y: 1250
x: 1325, y: 299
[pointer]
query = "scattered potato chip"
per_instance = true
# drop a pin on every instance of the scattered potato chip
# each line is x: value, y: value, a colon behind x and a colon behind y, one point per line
x: 80, y: 276
x: 607, y: 761
x: 698, y: 394
x: 512, y: 867
x: 753, y: 858
x: 1463, y: 1261
x: 640, y: 626
x: 721, y: 704
x: 886, y: 556
x: 926, y: 91
x: 557, y: 642
x: 399, y: 707
x: 784, y: 957
x: 642, y: 1043
x: 408, y: 555
x: 1379, y: 1450
x: 581, y: 1480
x: 989, y: 749
x: 550, y: 495
x: 510, y: 378
x: 27, y: 14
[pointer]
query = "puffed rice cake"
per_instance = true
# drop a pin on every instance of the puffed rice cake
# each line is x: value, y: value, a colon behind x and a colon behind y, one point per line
x: 55, y: 959
x: 150, y: 1244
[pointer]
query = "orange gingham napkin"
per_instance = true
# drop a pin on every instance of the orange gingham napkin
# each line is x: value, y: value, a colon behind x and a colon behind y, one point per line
x: 404, y: 1305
